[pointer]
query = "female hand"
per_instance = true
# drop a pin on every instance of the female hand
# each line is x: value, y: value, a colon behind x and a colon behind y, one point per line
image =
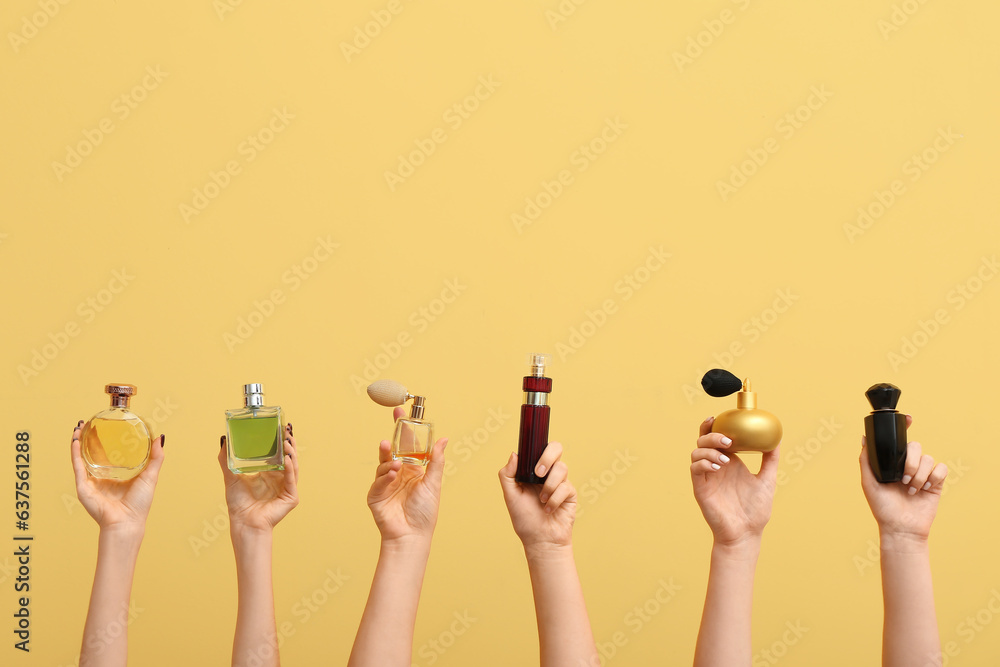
x: 542, y: 514
x: 735, y: 502
x: 404, y: 498
x: 907, y: 508
x: 258, y: 501
x: 115, y: 503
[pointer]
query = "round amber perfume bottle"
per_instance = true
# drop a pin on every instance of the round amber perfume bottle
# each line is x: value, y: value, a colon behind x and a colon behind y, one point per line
x: 115, y: 443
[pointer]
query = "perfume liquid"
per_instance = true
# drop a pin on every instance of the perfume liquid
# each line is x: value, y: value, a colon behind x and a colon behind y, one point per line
x: 255, y: 434
x: 115, y: 443
x: 535, y: 412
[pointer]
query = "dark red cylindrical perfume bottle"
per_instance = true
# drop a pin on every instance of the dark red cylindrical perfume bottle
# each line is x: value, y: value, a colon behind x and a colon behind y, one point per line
x: 534, y: 435
x: 885, y: 431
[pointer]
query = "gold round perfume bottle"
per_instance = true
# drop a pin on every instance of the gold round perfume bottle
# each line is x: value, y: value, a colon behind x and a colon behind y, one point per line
x: 115, y: 443
x: 750, y: 428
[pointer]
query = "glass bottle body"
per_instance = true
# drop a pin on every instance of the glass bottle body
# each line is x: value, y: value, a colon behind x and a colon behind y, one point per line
x: 115, y: 444
x: 412, y: 441
x: 255, y: 439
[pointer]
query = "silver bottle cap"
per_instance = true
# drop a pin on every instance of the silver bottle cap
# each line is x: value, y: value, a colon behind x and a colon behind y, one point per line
x: 253, y: 395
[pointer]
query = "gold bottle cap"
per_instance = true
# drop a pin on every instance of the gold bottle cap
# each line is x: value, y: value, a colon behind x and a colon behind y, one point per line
x: 120, y: 394
x: 746, y: 399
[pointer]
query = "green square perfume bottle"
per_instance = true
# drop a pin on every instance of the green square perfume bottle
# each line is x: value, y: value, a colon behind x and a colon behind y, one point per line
x: 255, y: 434
x: 115, y: 443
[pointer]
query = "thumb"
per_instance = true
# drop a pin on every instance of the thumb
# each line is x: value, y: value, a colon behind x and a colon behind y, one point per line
x: 152, y: 471
x: 769, y: 465
x: 435, y: 469
x: 867, y: 476
x: 507, y: 481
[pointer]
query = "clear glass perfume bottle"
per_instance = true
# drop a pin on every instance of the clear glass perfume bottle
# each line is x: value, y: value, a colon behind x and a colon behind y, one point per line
x: 115, y: 443
x: 255, y: 434
x: 413, y: 438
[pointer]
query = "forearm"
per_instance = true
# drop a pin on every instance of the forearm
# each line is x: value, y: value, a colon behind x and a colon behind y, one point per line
x: 910, y: 632
x: 105, y: 634
x: 724, y: 639
x: 564, y: 633
x: 392, y: 604
x: 256, y: 638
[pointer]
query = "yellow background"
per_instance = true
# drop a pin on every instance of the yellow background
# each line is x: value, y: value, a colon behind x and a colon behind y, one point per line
x: 619, y: 395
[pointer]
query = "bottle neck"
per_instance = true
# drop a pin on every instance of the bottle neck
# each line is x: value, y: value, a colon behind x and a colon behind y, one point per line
x: 120, y: 401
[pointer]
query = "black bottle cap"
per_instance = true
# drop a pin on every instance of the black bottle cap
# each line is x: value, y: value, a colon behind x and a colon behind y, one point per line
x: 718, y: 382
x: 883, y: 396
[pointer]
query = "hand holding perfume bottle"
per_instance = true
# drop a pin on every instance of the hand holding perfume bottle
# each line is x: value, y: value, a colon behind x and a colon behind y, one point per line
x: 735, y: 502
x: 542, y: 514
x: 116, y: 502
x: 404, y: 499
x: 906, y: 508
x: 259, y: 502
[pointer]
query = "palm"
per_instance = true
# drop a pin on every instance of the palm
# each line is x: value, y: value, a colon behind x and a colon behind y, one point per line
x: 406, y: 506
x: 534, y: 525
x: 734, y: 501
x: 898, y: 512
x: 112, y: 502
x: 259, y: 500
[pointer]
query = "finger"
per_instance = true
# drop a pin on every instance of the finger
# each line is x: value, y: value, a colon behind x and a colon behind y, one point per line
x: 76, y: 457
x: 291, y: 458
x: 227, y: 474
x: 923, y: 472
x: 548, y: 458
x: 909, y: 421
x: 912, y: 461
x: 77, y: 430
x: 435, y: 469
x: 935, y: 481
x: 709, y: 454
x: 152, y: 471
x: 714, y: 440
x: 398, y: 412
x: 769, y: 465
x: 507, y: 482
x: 290, y: 475
x: 867, y: 475
x: 558, y: 475
x: 384, y: 468
x: 706, y: 426
x: 383, y: 482
x: 384, y: 451
x: 559, y: 496
x: 292, y: 455
x: 704, y: 467
x: 290, y: 431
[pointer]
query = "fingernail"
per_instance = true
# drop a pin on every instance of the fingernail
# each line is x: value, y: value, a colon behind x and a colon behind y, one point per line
x: 723, y: 458
x: 163, y: 441
x: 222, y: 441
x: 926, y: 486
x: 726, y: 441
x: 906, y: 479
x: 543, y: 498
x: 708, y: 419
x: 548, y: 510
x: 912, y: 490
x: 79, y: 423
x: 290, y: 430
x: 715, y: 466
x: 540, y: 470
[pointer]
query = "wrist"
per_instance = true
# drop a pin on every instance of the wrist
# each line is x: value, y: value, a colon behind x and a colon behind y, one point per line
x: 902, y: 542
x: 245, y: 536
x: 406, y: 544
x: 545, y: 552
x: 746, y: 548
x: 123, y: 534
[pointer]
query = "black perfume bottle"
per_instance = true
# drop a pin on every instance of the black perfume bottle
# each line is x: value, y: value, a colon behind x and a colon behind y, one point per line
x: 885, y: 429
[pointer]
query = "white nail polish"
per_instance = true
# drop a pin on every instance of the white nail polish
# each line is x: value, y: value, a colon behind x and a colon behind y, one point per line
x: 726, y: 441
x: 912, y: 490
x: 926, y: 486
x: 723, y: 458
x: 906, y: 479
x: 715, y: 466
